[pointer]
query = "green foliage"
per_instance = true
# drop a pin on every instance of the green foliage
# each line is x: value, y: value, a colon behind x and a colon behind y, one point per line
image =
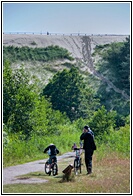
x: 5, y: 137
x: 117, y: 141
x: 38, y: 116
x: 35, y: 54
x: 102, y: 121
x: 114, y: 64
x: 55, y: 120
x: 99, y: 49
x: 117, y: 61
x: 80, y: 123
x: 20, y: 151
x: 69, y: 93
x: 127, y: 119
x: 18, y: 100
x: 24, y: 111
x: 113, y: 101
x: 120, y: 140
x: 8, y: 92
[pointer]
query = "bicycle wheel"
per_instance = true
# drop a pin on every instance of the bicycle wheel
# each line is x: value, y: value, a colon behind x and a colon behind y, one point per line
x: 76, y: 167
x: 54, y: 169
x: 47, y: 168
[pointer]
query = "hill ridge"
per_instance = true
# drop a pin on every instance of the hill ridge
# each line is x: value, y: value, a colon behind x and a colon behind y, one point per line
x: 80, y: 47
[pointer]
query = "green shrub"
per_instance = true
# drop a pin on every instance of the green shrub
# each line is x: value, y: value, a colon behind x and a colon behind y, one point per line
x: 38, y: 54
x: 102, y: 121
x: 117, y: 141
x: 33, y: 43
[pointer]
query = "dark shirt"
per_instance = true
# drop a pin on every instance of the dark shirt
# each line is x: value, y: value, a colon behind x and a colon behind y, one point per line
x: 88, y: 141
x: 53, y: 150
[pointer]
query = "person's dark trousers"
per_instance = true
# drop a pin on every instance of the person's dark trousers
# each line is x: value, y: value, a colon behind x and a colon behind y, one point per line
x: 88, y: 160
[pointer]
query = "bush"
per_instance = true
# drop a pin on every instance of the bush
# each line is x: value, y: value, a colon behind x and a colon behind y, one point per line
x: 117, y: 141
x: 102, y: 121
x: 38, y: 54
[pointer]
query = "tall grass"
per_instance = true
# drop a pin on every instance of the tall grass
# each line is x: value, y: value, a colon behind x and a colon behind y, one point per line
x: 117, y: 141
x: 18, y: 151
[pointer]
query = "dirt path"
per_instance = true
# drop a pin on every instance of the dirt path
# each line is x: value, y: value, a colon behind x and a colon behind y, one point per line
x: 10, y: 173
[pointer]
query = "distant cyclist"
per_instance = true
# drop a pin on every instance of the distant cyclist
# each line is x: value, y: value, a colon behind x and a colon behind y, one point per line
x: 52, y: 152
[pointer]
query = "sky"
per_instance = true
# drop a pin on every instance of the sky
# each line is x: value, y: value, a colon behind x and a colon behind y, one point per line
x: 65, y: 18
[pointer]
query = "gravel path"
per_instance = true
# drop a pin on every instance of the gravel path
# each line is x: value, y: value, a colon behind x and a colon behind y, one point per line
x: 10, y: 173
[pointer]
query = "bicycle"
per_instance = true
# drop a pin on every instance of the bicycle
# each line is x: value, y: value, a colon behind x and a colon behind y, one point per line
x: 51, y: 167
x: 77, y: 161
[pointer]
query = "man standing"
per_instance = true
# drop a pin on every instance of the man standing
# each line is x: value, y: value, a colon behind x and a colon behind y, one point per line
x: 89, y: 147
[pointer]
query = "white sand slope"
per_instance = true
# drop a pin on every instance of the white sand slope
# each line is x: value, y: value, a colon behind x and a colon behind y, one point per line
x: 73, y: 44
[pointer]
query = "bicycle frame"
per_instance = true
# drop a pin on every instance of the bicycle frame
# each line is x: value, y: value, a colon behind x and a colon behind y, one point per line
x: 77, y: 152
x: 77, y: 160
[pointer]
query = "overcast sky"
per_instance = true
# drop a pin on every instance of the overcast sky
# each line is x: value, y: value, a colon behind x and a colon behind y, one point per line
x: 89, y: 18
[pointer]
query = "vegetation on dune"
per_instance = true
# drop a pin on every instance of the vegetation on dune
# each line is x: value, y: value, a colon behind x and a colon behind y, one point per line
x: 26, y: 53
x: 114, y: 64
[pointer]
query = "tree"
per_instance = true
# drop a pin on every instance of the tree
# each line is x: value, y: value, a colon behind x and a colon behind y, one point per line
x: 18, y: 100
x: 9, y: 92
x: 102, y: 121
x: 68, y: 93
x: 115, y: 66
x: 25, y: 112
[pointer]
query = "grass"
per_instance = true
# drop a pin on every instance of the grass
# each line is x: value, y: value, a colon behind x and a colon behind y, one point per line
x: 110, y: 175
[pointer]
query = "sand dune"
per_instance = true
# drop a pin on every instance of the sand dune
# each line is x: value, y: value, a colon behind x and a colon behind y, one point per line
x: 73, y: 44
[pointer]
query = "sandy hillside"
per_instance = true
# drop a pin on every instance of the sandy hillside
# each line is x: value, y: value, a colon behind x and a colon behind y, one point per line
x: 74, y: 44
